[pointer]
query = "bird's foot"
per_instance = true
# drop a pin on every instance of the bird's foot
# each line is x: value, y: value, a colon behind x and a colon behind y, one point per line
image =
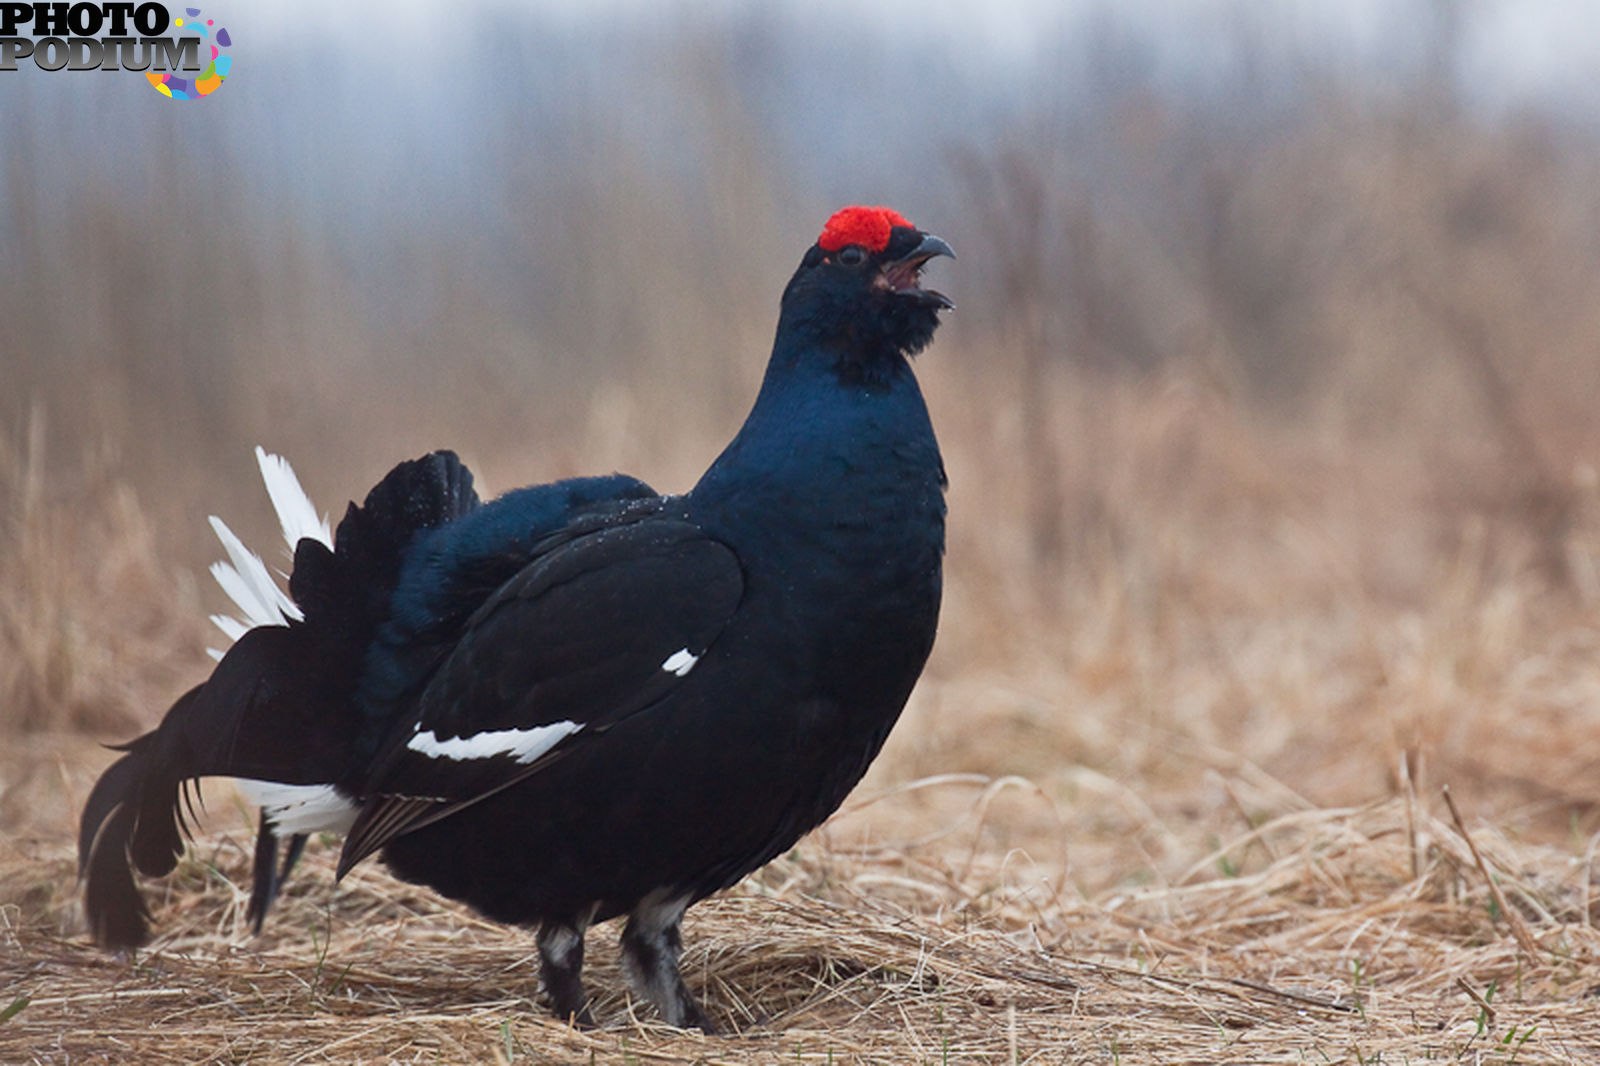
x: 561, y: 967
x: 651, y: 945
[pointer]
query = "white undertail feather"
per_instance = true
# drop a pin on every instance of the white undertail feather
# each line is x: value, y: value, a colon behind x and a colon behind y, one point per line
x: 246, y: 580
x: 299, y: 808
x: 296, y: 514
x: 243, y: 576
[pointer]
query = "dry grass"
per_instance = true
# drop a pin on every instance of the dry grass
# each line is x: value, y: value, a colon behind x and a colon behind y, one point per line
x: 91, y: 616
x: 1365, y: 934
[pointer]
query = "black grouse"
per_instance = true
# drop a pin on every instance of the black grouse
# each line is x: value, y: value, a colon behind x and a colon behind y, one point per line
x: 582, y: 700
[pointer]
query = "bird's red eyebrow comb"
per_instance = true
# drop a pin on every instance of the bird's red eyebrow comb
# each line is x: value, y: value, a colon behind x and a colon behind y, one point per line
x: 866, y: 226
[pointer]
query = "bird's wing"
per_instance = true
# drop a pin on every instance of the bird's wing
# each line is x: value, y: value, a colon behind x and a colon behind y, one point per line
x: 596, y: 629
x: 452, y: 572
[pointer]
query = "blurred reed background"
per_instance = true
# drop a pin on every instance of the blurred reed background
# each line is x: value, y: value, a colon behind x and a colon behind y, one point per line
x: 1268, y: 406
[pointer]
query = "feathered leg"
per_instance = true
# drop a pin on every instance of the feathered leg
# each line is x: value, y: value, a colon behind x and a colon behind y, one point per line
x: 561, y: 967
x: 651, y: 946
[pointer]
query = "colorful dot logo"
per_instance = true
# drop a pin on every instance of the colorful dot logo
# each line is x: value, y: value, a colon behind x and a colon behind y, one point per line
x: 215, y: 73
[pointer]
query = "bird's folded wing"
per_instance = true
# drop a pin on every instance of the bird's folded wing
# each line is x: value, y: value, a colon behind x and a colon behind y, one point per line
x: 596, y: 630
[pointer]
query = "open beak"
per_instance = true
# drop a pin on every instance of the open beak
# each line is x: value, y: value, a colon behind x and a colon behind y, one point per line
x: 903, y: 276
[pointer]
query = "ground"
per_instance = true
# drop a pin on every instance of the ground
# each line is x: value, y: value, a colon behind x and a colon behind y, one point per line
x: 911, y: 929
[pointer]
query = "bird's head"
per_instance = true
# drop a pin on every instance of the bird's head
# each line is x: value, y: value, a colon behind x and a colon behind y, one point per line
x: 858, y: 290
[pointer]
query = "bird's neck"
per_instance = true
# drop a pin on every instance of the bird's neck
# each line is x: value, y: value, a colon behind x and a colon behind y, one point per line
x: 819, y: 432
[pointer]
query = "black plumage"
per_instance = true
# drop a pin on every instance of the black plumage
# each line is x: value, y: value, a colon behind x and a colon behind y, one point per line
x: 585, y: 700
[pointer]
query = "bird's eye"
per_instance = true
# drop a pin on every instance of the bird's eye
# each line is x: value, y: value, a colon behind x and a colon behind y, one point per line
x: 852, y: 256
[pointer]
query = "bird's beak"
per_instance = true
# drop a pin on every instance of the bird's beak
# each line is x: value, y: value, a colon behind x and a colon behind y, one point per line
x: 902, y: 276
x: 931, y: 246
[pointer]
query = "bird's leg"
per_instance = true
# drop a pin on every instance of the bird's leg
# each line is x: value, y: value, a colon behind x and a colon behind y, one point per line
x: 651, y: 945
x: 266, y: 880
x: 561, y: 967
